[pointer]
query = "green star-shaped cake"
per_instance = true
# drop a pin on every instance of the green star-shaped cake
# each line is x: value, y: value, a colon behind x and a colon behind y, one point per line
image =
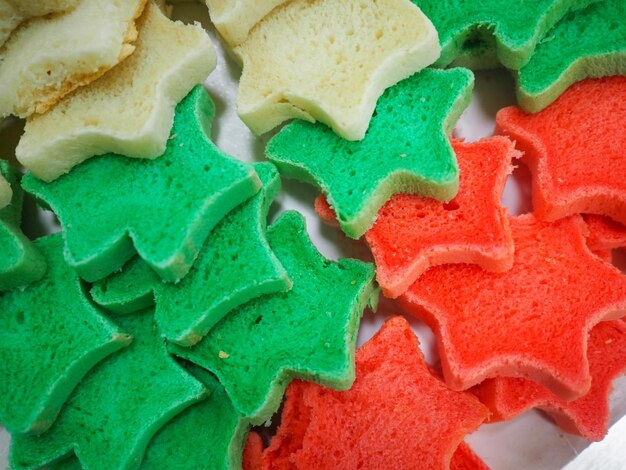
x: 406, y: 149
x: 112, y: 207
x: 20, y: 262
x: 487, y: 33
x: 308, y: 332
x: 116, y: 410
x: 208, y: 435
x: 50, y: 337
x: 585, y: 44
x: 235, y: 265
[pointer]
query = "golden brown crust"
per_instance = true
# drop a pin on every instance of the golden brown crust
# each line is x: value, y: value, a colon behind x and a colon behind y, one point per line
x: 53, y: 95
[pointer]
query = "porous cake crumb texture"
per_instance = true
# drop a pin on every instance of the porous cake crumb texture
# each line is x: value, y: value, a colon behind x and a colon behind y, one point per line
x: 234, y: 266
x: 308, y: 332
x: 112, y: 207
x: 129, y: 110
x: 406, y: 149
x: 330, y: 60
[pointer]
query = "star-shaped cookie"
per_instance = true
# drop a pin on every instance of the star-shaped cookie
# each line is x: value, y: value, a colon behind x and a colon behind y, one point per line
x: 51, y: 336
x: 586, y: 43
x: 130, y: 109
x: 112, y: 207
x: 532, y: 321
x: 406, y: 149
x: 413, y: 233
x: 396, y: 413
x: 575, y: 150
x: 115, y: 411
x: 234, y: 266
x: 329, y: 61
x: 587, y: 416
x: 308, y: 332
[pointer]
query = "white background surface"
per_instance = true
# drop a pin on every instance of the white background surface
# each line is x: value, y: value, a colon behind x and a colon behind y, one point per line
x: 529, y: 442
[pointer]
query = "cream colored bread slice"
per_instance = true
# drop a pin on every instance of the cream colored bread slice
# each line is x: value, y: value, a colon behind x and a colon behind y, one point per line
x: 330, y: 60
x: 5, y: 192
x: 14, y: 12
x: 235, y: 18
x: 47, y: 58
x: 129, y: 110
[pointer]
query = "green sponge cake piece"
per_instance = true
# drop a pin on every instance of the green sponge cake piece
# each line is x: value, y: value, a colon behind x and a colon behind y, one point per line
x: 585, y: 44
x: 69, y: 463
x: 235, y: 265
x: 208, y: 435
x: 20, y: 262
x: 481, y: 34
x: 133, y: 288
x: 116, y: 410
x: 406, y: 149
x: 50, y: 337
x: 308, y: 332
x: 112, y: 207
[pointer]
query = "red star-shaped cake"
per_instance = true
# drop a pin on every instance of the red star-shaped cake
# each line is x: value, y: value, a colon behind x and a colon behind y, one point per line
x: 587, y: 416
x: 532, y: 321
x: 604, y: 233
x: 396, y: 414
x: 575, y: 149
x: 463, y: 458
x: 413, y: 233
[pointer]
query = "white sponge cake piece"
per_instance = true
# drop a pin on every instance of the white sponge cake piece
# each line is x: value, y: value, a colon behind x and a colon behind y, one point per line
x: 5, y: 192
x: 330, y: 60
x: 235, y: 18
x: 129, y: 110
x: 14, y: 12
x: 48, y: 57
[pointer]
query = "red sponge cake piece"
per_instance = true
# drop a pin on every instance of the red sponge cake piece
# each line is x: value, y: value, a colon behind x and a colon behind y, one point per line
x: 576, y: 150
x: 604, y: 233
x: 465, y: 459
x: 532, y: 321
x: 252, y: 452
x: 587, y: 416
x: 396, y: 414
x: 604, y: 255
x: 413, y: 233
x: 325, y: 212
